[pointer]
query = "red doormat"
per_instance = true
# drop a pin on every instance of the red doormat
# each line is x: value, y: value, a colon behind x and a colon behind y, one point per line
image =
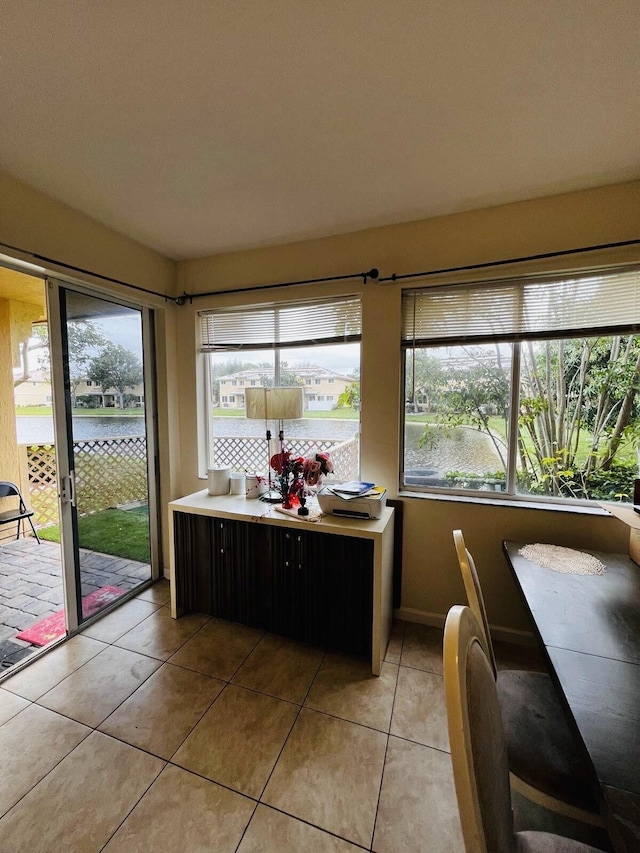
x: 52, y: 627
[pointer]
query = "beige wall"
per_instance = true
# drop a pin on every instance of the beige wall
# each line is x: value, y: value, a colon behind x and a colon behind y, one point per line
x: 430, y: 581
x: 9, y: 466
x: 35, y: 223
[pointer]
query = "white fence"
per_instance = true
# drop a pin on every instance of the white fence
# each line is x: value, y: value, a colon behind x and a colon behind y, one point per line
x: 112, y: 471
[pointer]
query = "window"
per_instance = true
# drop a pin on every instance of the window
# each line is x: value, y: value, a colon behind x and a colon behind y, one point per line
x: 268, y: 346
x: 89, y: 383
x: 526, y: 388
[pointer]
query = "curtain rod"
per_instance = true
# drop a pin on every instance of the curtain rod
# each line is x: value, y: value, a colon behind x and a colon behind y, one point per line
x: 181, y: 300
x: 372, y: 273
x: 44, y: 258
x: 540, y: 257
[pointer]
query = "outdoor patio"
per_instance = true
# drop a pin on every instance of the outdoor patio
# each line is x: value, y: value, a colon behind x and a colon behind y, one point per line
x: 31, y: 586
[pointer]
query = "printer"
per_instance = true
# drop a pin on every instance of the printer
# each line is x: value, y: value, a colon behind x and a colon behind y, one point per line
x: 369, y: 505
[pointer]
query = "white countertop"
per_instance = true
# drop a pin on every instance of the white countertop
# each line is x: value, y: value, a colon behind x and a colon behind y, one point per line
x: 242, y: 509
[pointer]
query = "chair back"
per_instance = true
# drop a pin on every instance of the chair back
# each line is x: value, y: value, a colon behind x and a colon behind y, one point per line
x: 478, y: 749
x: 474, y: 594
x: 8, y: 490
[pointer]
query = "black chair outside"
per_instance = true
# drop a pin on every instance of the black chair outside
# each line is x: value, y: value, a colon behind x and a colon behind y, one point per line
x: 20, y: 513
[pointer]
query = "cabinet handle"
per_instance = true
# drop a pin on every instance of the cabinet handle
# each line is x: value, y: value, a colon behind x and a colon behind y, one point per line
x: 222, y: 550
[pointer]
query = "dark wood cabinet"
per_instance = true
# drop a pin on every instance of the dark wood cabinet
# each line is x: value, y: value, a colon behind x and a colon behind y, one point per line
x: 328, y: 583
x: 297, y: 583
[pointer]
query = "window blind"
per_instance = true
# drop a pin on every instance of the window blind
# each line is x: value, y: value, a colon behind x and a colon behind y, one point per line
x: 296, y: 324
x: 541, y: 307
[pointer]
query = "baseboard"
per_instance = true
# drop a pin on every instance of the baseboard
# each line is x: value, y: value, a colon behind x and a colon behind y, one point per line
x: 424, y: 617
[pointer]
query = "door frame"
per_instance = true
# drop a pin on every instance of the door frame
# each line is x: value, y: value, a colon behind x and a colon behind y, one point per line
x: 56, y: 317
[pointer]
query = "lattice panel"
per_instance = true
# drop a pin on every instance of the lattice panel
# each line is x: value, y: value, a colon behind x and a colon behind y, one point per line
x: 110, y: 472
x: 43, y: 483
x: 250, y: 454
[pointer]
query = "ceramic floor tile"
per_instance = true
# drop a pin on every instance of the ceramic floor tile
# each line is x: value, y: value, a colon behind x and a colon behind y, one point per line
x: 10, y: 705
x: 396, y: 639
x: 164, y: 710
x: 31, y: 744
x: 44, y: 673
x: 158, y: 593
x: 417, y: 802
x: 419, y: 712
x: 238, y: 740
x: 218, y: 649
x: 81, y: 802
x: 92, y: 692
x: 345, y: 688
x: 280, y: 667
x: 329, y: 775
x: 273, y: 832
x: 422, y: 648
x: 123, y: 619
x: 184, y: 812
x: 160, y: 636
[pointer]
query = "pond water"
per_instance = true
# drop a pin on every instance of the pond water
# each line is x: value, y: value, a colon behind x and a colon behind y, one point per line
x: 39, y: 430
x: 459, y: 449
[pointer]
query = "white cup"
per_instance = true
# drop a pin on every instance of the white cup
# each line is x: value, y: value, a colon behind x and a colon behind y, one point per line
x: 218, y: 480
x: 236, y: 484
x: 255, y: 486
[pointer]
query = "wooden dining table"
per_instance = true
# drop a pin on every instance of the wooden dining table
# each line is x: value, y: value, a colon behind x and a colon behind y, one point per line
x: 589, y: 626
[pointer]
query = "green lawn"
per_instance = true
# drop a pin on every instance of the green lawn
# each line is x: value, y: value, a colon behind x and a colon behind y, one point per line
x: 112, y: 531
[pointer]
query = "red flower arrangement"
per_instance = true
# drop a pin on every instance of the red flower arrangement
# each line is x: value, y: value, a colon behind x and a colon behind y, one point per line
x: 296, y: 473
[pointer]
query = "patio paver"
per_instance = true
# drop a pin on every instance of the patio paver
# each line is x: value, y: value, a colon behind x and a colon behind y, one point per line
x: 31, y: 581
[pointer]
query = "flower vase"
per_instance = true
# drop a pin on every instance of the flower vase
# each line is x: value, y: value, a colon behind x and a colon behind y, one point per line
x: 290, y: 497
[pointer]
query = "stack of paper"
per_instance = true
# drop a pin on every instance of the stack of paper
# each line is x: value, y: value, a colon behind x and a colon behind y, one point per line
x: 356, y: 489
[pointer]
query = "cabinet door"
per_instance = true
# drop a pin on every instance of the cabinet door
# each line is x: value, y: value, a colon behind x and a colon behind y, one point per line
x: 193, y: 543
x: 237, y: 566
x: 220, y: 567
x: 285, y: 599
x: 322, y: 590
x: 345, y: 593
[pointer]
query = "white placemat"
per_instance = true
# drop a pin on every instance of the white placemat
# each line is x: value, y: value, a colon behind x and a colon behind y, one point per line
x: 564, y: 560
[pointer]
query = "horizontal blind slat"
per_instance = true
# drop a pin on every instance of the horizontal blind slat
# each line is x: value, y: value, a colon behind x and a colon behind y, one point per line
x: 522, y: 308
x: 288, y: 325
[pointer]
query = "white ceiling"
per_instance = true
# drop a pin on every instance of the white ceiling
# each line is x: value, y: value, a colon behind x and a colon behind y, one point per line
x: 201, y: 126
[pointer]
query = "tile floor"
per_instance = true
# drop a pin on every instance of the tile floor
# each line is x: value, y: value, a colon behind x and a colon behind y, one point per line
x: 146, y: 733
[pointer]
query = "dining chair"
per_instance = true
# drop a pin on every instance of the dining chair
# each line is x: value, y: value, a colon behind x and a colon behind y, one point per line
x: 547, y: 764
x: 18, y: 513
x: 479, y: 750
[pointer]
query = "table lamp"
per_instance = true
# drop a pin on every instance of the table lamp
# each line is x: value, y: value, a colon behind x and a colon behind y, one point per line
x: 274, y: 404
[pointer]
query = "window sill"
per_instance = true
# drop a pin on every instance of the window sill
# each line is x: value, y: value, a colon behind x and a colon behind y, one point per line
x: 574, y: 509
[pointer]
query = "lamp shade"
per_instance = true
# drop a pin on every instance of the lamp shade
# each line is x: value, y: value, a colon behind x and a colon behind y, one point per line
x: 280, y: 403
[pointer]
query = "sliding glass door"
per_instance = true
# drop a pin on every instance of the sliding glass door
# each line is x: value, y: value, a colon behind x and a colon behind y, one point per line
x: 103, y: 409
